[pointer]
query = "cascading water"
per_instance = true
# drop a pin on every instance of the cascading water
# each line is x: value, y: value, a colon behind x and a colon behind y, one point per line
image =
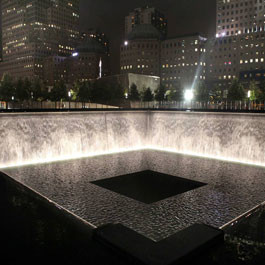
x: 233, y: 137
x: 36, y: 138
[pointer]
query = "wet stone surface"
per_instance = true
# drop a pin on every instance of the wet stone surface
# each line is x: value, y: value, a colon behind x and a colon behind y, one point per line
x: 231, y: 190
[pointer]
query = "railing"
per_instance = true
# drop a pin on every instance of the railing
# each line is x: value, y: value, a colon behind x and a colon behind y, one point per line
x: 53, y: 105
x: 254, y: 106
x: 195, y: 105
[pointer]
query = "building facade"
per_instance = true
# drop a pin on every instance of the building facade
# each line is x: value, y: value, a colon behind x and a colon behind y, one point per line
x: 237, y: 52
x: 183, y: 61
x: 35, y: 29
x: 146, y: 15
x: 89, y: 61
x: 140, y: 53
x: 235, y: 17
x: 179, y: 61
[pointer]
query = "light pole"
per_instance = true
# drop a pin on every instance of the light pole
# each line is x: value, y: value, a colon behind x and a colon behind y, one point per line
x: 69, y: 97
x: 249, y: 95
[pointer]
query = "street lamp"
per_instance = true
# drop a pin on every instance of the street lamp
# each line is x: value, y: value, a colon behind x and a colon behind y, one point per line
x: 69, y: 96
x: 188, y: 95
x: 249, y: 95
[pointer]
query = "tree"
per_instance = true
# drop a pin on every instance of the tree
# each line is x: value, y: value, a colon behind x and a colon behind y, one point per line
x: 175, y: 93
x: 20, y: 90
x: 160, y: 93
x: 38, y: 90
x: 216, y: 94
x: 59, y: 91
x: 134, y: 93
x: 254, y: 91
x: 7, y: 88
x: 148, y: 95
x: 202, y: 92
x: 236, y: 91
x: 84, y: 92
x: 27, y: 90
x: 262, y: 91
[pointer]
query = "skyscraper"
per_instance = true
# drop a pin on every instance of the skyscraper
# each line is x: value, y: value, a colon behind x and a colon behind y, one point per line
x: 238, y: 49
x: 236, y: 17
x: 140, y: 53
x: 35, y: 29
x: 146, y: 15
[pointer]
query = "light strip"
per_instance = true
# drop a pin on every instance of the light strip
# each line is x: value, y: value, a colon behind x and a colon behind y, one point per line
x: 71, y: 157
x: 125, y: 150
x: 190, y: 153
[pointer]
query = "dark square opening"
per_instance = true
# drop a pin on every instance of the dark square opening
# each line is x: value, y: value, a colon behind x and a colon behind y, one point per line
x: 148, y: 186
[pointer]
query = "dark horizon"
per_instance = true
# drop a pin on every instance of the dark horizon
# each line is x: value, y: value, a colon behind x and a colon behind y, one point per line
x: 184, y: 17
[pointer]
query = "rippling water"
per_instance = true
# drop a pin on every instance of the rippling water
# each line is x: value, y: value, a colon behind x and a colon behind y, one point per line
x: 232, y: 190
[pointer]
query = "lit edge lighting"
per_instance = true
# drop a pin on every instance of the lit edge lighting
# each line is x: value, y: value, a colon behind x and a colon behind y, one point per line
x: 126, y: 150
x: 71, y: 157
x: 189, y: 153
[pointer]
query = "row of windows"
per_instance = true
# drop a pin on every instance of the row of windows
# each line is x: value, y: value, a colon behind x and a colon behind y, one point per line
x: 256, y: 60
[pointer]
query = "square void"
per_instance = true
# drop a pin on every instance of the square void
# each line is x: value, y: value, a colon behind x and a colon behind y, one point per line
x: 148, y: 186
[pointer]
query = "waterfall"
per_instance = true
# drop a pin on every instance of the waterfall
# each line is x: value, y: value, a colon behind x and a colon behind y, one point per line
x: 226, y: 136
x: 37, y: 138
x: 43, y: 137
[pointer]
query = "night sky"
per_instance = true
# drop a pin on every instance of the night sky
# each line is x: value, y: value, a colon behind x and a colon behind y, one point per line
x: 184, y: 17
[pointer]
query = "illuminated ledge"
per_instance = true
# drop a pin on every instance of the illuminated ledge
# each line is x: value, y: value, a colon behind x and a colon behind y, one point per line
x: 124, y: 150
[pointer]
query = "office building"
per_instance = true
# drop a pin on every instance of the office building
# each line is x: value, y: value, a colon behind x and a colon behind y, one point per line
x: 34, y: 30
x: 183, y: 61
x: 235, y: 17
x: 140, y: 53
x: 146, y: 15
x: 89, y: 61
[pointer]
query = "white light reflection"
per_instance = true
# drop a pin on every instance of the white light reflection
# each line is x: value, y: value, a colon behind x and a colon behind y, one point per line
x: 125, y: 150
x: 190, y: 153
x: 70, y: 157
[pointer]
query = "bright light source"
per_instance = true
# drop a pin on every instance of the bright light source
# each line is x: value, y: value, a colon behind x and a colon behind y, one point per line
x: 126, y: 43
x: 188, y: 95
x: 126, y: 95
x: 75, y: 54
x: 69, y: 94
x: 249, y: 94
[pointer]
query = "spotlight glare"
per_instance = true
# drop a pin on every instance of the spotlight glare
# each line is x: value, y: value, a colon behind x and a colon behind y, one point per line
x: 188, y: 95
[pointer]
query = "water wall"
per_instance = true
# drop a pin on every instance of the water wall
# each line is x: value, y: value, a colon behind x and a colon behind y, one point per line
x: 33, y: 138
x: 228, y: 136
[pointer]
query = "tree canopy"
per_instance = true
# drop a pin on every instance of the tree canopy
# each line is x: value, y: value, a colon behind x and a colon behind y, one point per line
x: 7, y: 88
x: 236, y: 91
x: 147, y: 95
x: 134, y: 93
x: 160, y: 93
